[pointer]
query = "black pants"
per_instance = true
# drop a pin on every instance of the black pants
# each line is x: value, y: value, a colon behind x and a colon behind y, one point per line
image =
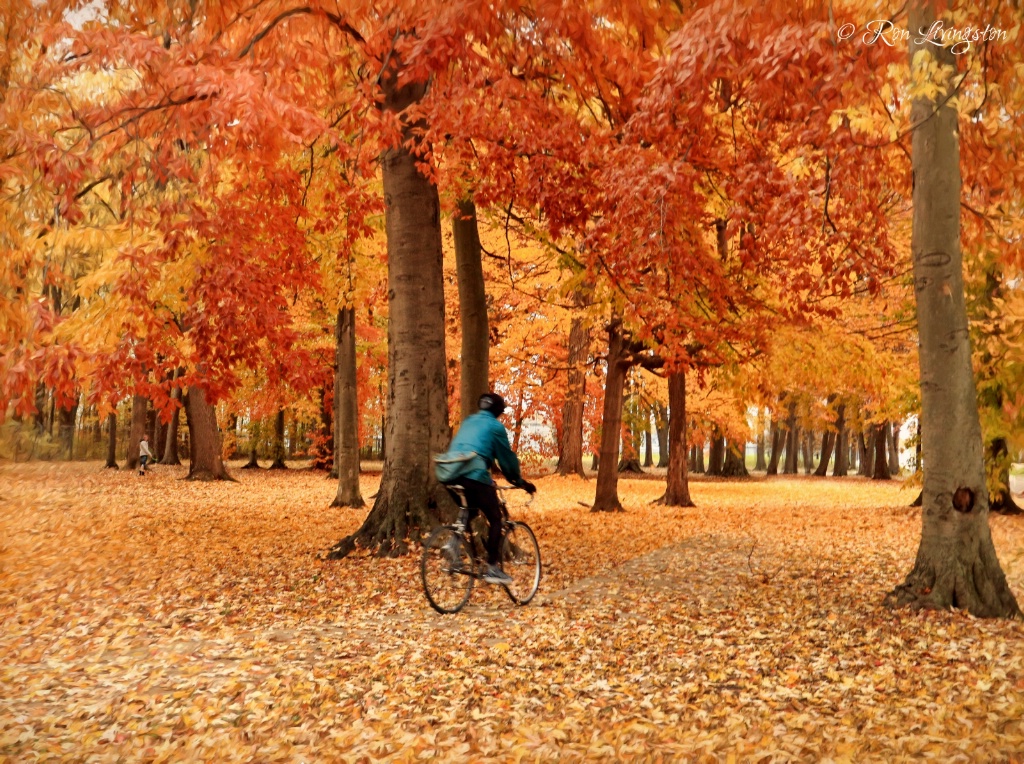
x: 484, y: 497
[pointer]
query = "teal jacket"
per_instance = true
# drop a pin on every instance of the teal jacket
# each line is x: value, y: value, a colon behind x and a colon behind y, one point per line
x: 485, y: 435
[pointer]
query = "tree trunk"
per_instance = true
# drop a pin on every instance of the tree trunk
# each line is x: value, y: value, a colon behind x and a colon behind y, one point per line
x: 204, y: 438
x: 170, y: 454
x: 760, y: 463
x: 881, y: 470
x: 956, y: 563
x: 473, y: 379
x: 792, y: 441
x: 842, y: 445
x: 254, y: 444
x: 677, y: 488
x: 322, y: 450
x: 570, y: 452
x: 648, y: 447
x: 606, y: 498
x: 66, y: 429
x: 417, y: 405
x: 894, y: 448
x: 778, y: 441
x: 828, y: 440
x: 692, y: 462
x: 111, y: 441
x: 716, y: 456
x: 735, y: 460
x: 278, y: 448
x: 701, y: 468
x: 661, y: 426
x: 140, y: 404
x: 346, y: 412
x: 807, y: 447
x: 865, y: 452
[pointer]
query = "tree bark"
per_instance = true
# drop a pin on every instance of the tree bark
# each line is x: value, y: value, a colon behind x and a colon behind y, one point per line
x: 677, y: 487
x: 346, y: 412
x: 760, y: 463
x: 778, y: 441
x: 66, y: 428
x: 828, y: 440
x: 842, y: 445
x: 278, y: 453
x: 956, y: 565
x: 140, y: 404
x: 204, y: 438
x: 807, y: 447
x: 735, y: 460
x: 473, y: 379
x: 792, y: 441
x: 701, y: 468
x: 570, y: 452
x: 894, y: 447
x: 111, y: 441
x: 170, y: 454
x: 409, y: 497
x: 881, y: 470
x: 661, y: 426
x: 866, y: 453
x: 254, y: 442
x: 606, y: 498
x: 716, y: 456
x: 648, y: 447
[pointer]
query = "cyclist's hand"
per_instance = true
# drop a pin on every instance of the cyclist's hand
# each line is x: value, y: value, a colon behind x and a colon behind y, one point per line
x: 527, y: 486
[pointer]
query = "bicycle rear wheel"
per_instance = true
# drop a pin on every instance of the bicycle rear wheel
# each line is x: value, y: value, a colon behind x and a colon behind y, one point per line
x: 520, y: 558
x: 446, y: 569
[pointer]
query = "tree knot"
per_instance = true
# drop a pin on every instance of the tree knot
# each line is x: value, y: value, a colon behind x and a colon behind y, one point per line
x: 963, y: 500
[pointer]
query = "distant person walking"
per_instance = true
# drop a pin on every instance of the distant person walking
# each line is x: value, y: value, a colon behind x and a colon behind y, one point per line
x: 144, y: 453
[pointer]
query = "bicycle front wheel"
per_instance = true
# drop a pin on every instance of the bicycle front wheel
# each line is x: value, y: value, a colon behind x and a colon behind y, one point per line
x: 446, y: 569
x: 520, y: 558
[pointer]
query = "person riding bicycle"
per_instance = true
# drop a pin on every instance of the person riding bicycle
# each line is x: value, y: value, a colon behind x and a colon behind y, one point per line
x: 485, y: 436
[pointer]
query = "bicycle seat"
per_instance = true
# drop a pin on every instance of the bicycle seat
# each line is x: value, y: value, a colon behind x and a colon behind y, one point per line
x: 458, y: 493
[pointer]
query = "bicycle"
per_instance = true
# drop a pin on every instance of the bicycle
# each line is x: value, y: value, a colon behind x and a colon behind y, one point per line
x: 454, y: 558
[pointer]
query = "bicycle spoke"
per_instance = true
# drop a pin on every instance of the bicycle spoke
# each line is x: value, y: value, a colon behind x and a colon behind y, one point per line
x: 446, y: 570
x: 520, y: 558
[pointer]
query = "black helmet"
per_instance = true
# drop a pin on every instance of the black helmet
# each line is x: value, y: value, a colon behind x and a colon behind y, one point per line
x: 492, y: 402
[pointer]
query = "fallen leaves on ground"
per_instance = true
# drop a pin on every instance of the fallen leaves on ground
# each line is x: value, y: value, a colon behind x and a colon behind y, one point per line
x: 150, y: 619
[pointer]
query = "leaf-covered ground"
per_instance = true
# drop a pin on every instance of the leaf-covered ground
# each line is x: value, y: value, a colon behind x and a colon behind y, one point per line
x: 149, y: 619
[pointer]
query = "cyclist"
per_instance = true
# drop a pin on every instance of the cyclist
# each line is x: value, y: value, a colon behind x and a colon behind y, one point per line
x: 485, y: 436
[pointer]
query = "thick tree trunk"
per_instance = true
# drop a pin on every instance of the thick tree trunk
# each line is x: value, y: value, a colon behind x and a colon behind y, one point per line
x: 409, y: 497
x: 473, y: 379
x: 140, y: 405
x: 881, y: 439
x: 807, y: 447
x: 716, y: 455
x: 346, y: 412
x: 661, y: 426
x: 677, y: 487
x: 692, y: 460
x: 842, y: 445
x: 204, y: 438
x: 735, y: 460
x: 956, y: 563
x: 648, y: 447
x: 278, y: 447
x: 894, y: 447
x: 606, y: 498
x: 66, y: 429
x: 828, y: 440
x: 866, y: 453
x: 570, y: 452
x: 701, y: 469
x: 111, y: 441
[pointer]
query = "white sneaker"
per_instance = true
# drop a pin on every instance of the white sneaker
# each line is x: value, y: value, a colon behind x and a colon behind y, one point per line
x: 495, y: 575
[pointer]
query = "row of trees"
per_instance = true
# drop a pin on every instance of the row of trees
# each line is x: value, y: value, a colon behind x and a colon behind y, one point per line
x: 243, y: 204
